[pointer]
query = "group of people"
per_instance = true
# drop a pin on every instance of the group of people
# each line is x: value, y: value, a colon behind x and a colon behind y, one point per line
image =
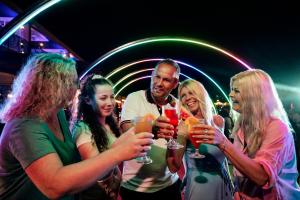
x: 41, y: 157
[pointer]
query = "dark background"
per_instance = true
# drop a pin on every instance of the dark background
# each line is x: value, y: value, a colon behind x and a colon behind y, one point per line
x: 265, y: 36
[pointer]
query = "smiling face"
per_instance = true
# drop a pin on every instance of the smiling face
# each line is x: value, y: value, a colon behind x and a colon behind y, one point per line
x: 189, y: 100
x: 235, y: 96
x: 104, y: 100
x: 163, y: 81
x: 193, y: 96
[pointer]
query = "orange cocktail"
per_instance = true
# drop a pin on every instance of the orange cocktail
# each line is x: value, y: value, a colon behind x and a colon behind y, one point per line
x: 191, y: 122
x: 144, y: 124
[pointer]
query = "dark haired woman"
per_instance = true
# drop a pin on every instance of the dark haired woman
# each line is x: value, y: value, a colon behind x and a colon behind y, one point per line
x: 95, y: 130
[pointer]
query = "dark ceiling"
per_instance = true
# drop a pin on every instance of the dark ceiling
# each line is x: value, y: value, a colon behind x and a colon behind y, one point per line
x: 265, y: 36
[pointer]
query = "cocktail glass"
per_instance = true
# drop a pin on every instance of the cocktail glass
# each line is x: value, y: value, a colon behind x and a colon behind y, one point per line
x: 143, y: 124
x: 171, y: 113
x: 196, y: 144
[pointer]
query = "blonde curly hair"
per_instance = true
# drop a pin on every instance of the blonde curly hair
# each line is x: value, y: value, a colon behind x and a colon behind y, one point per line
x: 42, y: 85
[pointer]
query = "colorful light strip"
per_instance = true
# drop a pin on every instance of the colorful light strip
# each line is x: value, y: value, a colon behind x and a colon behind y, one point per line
x: 140, y: 71
x: 130, y: 82
x: 180, y: 62
x: 26, y: 19
x: 161, y: 39
x: 131, y: 64
x: 129, y: 75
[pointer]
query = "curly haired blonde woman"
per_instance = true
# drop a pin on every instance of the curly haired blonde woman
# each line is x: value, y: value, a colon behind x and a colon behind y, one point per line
x: 38, y: 159
x: 263, y: 152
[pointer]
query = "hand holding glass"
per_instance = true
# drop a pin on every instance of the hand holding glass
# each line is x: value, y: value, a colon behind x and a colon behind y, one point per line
x: 171, y: 113
x: 143, y: 124
x: 196, y: 144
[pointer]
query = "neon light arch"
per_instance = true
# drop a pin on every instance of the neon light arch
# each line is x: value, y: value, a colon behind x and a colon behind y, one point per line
x: 129, y: 83
x: 129, y: 75
x: 40, y: 8
x: 180, y: 62
x: 161, y: 39
x: 130, y: 64
x: 26, y: 18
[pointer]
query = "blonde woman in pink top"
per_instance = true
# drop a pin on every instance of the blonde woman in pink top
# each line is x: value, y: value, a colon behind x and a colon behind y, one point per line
x: 263, y: 153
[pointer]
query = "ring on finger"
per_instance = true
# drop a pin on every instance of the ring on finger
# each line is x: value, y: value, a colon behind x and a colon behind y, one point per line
x: 205, y: 131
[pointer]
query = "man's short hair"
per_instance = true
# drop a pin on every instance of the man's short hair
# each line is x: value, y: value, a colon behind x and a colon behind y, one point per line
x: 171, y: 62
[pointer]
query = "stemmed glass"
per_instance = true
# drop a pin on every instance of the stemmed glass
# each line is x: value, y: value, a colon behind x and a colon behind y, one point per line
x: 143, y: 124
x: 172, y: 113
x: 196, y: 155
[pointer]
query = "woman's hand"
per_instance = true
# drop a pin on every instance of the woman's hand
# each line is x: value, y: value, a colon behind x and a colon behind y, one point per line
x: 131, y: 145
x: 207, y: 134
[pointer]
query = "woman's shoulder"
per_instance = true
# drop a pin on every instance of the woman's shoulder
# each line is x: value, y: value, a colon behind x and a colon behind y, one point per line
x: 276, y: 123
x: 24, y: 127
x: 25, y: 123
x: 276, y: 129
x: 81, y: 127
x: 80, y: 124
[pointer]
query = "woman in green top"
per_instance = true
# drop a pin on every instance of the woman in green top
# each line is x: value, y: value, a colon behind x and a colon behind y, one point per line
x: 95, y: 130
x: 37, y: 155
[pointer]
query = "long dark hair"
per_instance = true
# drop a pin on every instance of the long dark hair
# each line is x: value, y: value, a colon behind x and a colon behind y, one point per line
x: 89, y: 114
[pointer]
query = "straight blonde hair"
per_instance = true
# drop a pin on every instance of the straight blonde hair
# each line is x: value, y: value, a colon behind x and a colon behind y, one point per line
x: 260, y: 104
x: 205, y: 103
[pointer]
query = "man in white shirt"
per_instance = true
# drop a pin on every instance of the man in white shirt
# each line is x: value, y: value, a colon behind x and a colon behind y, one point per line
x: 152, y: 181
